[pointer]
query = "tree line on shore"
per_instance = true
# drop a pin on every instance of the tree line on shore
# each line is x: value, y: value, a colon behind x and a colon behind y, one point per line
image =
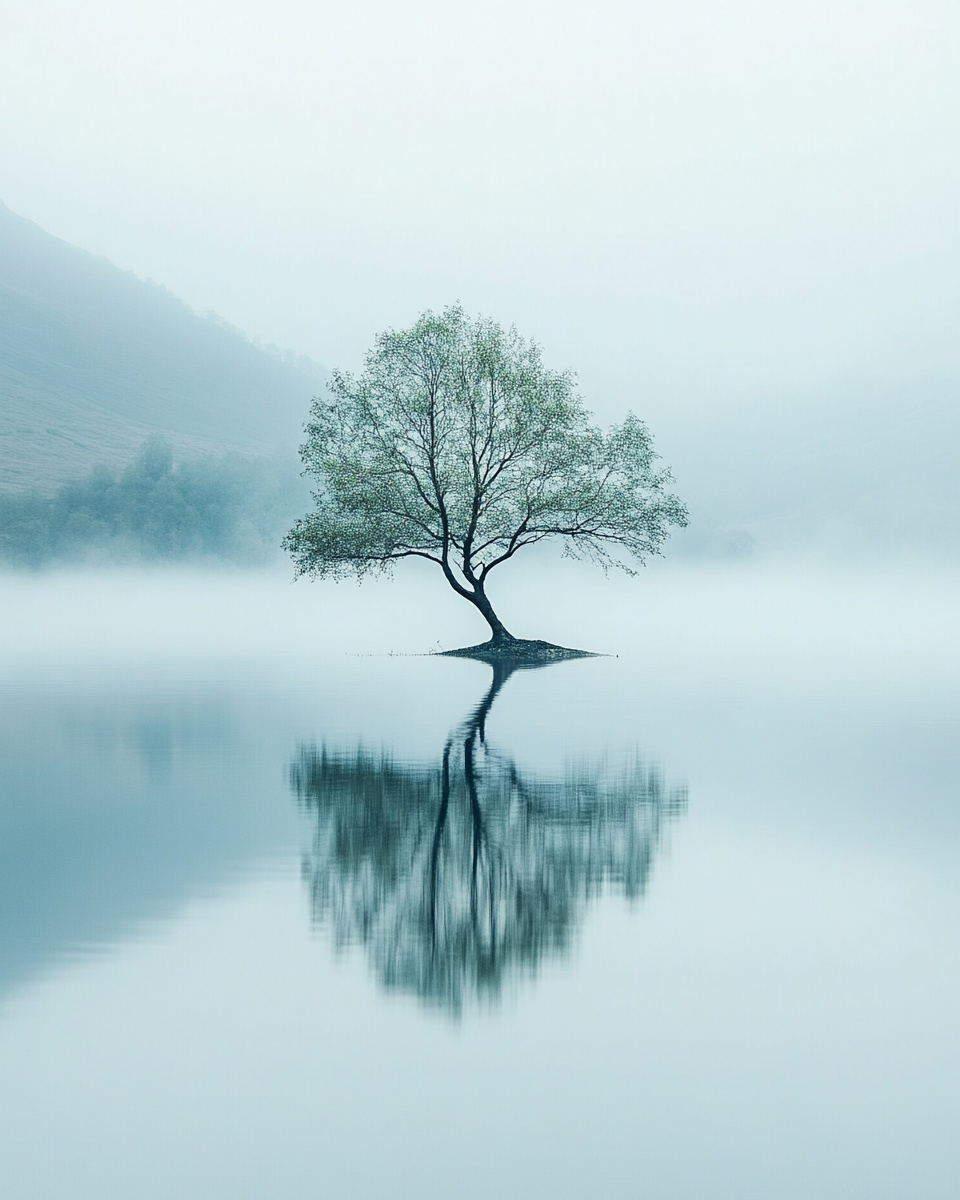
x: 227, y: 508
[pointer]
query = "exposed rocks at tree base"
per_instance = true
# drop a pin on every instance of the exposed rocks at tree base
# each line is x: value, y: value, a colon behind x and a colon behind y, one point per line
x: 518, y: 652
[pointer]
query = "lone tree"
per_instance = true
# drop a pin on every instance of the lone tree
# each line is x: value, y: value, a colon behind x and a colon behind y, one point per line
x: 456, y: 444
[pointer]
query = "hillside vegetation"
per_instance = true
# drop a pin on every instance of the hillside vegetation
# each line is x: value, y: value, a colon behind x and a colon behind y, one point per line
x: 228, y: 509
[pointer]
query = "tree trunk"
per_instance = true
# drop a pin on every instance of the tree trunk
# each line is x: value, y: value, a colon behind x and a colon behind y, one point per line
x: 499, y: 634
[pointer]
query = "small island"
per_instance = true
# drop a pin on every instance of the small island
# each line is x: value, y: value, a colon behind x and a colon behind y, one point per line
x: 518, y: 652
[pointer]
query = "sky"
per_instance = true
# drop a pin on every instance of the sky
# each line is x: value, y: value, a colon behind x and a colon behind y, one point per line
x: 695, y: 204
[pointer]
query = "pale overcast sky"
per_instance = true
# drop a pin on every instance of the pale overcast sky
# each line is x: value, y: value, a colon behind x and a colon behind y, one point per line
x: 688, y: 201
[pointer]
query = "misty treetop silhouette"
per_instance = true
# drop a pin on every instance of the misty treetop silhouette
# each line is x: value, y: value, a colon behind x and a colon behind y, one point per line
x: 457, y: 445
x: 225, y: 508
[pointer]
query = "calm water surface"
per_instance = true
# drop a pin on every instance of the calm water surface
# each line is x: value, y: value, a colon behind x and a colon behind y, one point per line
x: 679, y: 923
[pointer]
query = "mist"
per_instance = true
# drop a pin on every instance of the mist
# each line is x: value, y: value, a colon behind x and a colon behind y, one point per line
x: 282, y: 886
x: 230, y: 509
x: 735, y: 219
x: 777, y: 627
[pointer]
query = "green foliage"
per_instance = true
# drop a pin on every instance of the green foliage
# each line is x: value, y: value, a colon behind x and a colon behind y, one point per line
x: 229, y: 509
x: 458, y: 445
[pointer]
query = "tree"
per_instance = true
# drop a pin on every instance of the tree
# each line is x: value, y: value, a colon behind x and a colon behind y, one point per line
x: 458, y: 875
x: 457, y: 445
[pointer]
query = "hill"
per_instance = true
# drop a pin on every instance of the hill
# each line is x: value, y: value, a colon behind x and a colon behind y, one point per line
x: 94, y: 361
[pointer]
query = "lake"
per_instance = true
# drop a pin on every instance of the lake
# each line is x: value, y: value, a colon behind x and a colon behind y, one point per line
x: 290, y: 907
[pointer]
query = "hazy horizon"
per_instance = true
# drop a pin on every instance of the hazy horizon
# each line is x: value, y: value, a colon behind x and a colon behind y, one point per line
x: 736, y: 219
x: 290, y: 903
x: 694, y: 206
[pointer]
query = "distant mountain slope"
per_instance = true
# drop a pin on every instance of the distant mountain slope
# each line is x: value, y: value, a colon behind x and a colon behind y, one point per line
x: 94, y: 360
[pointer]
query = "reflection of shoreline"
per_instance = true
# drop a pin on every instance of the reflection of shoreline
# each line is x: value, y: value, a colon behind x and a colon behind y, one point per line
x: 456, y: 876
x: 123, y: 799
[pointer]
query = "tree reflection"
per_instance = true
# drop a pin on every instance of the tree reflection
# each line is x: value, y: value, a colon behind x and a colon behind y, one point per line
x: 458, y: 875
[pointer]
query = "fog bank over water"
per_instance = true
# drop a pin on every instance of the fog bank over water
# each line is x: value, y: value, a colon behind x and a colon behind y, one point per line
x: 282, y: 889
x: 796, y: 620
x: 796, y: 655
x: 238, y: 823
x: 150, y: 717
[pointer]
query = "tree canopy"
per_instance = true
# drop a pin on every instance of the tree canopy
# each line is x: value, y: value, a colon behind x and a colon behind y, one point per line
x: 456, y: 444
